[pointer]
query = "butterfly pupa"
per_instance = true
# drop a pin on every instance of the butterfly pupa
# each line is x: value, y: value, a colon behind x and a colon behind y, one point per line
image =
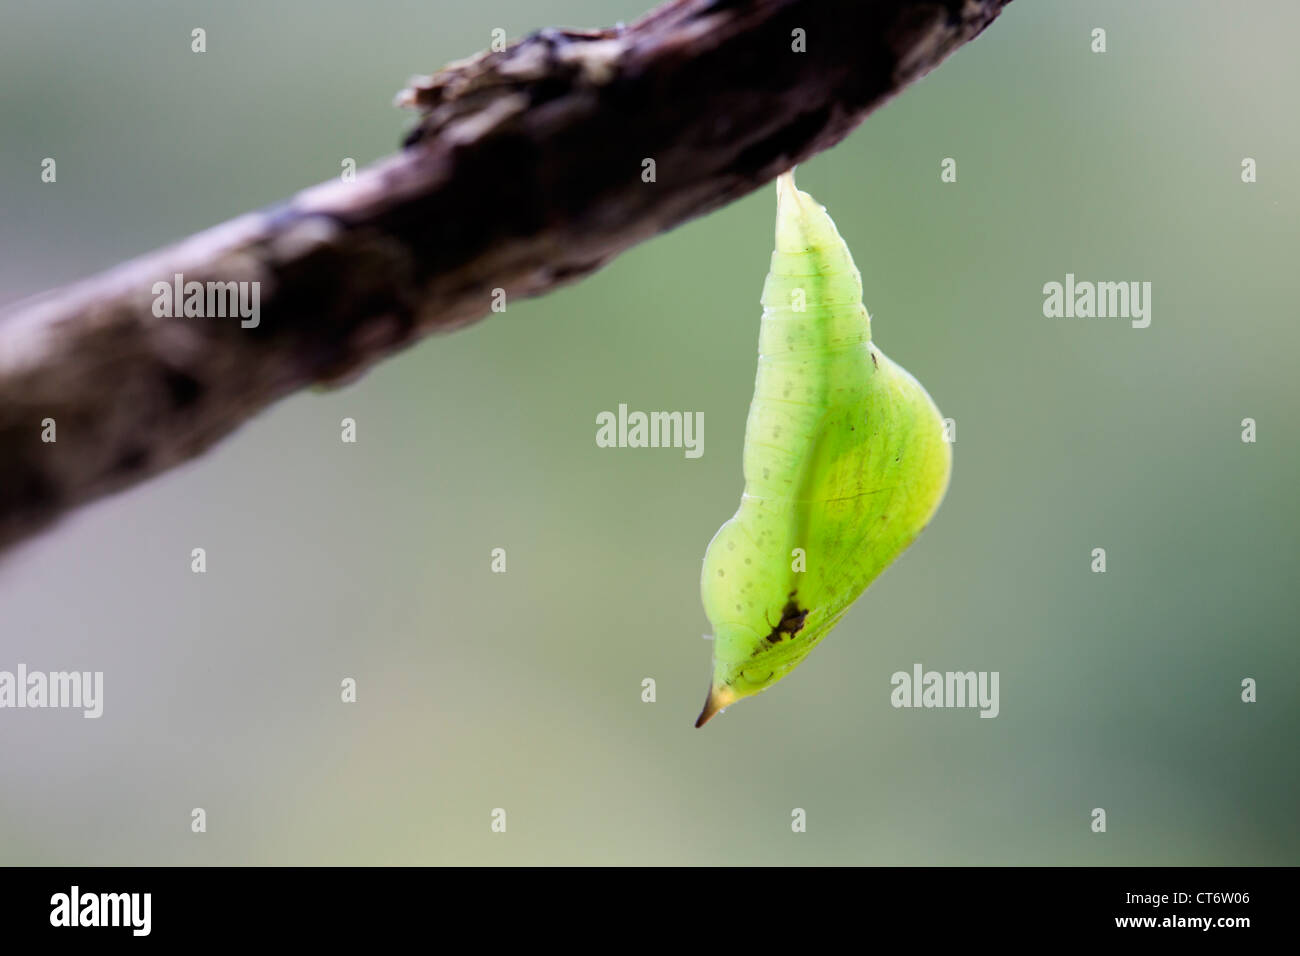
x: 845, y: 462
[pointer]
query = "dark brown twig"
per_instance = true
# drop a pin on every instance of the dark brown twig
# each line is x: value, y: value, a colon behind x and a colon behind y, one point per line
x: 525, y: 171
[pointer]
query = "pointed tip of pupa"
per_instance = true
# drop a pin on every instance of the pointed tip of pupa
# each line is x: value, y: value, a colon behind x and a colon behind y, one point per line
x: 720, y: 698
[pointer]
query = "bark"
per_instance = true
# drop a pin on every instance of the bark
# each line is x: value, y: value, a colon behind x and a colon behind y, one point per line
x: 524, y: 171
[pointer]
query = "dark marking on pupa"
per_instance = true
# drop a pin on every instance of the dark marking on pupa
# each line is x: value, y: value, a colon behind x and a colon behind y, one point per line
x: 791, y: 623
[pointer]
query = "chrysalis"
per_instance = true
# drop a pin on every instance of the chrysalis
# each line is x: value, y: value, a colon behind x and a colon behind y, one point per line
x: 845, y: 463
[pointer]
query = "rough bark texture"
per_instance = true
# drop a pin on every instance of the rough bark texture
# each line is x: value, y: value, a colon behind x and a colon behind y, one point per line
x: 524, y: 172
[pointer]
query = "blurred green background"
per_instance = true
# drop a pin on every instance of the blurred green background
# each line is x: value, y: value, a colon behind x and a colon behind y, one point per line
x: 523, y: 690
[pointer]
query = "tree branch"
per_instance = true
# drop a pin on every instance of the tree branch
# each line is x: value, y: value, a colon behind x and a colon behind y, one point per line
x: 524, y: 172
